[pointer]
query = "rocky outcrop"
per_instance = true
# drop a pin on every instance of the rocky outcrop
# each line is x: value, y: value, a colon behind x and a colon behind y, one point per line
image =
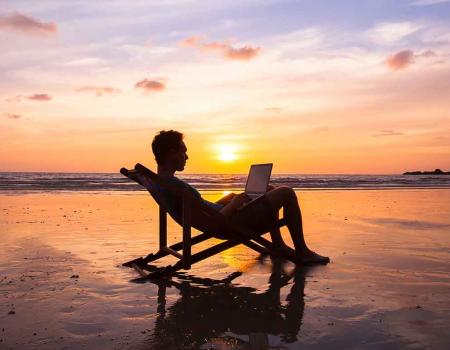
x: 435, y: 172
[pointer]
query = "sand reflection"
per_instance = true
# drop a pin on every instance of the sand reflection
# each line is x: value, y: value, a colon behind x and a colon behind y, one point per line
x: 213, y: 313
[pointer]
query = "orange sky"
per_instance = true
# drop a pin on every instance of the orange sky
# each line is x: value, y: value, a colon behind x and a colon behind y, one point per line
x: 88, y: 91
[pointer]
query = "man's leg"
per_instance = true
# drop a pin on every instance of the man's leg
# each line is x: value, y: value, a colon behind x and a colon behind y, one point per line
x: 284, y: 197
x: 275, y: 234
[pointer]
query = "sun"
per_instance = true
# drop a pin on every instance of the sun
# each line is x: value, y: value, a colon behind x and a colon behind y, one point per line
x: 227, y: 153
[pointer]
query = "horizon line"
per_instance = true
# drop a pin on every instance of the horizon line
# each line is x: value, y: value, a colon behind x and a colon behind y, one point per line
x: 274, y: 173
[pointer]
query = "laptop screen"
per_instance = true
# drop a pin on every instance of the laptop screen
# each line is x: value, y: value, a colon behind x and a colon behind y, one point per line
x: 258, y: 178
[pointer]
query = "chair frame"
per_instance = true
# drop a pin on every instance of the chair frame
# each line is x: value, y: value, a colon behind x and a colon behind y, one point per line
x: 194, y: 214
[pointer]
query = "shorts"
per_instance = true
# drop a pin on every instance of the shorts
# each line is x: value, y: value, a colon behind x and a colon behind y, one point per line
x: 258, y: 216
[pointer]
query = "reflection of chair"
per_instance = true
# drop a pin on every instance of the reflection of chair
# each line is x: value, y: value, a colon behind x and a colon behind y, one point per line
x: 208, y: 312
x: 196, y: 214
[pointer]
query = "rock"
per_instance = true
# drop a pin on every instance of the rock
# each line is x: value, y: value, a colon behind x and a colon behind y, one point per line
x: 435, y: 172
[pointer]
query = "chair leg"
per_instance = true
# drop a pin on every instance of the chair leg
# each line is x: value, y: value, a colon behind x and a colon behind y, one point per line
x: 162, y: 228
x: 186, y: 217
x: 177, y: 246
x: 139, y: 270
x: 255, y: 242
x: 257, y: 247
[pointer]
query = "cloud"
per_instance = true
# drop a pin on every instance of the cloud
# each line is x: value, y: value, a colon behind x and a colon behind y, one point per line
x: 22, y: 23
x: 99, y: 90
x: 428, y: 2
x: 192, y: 41
x: 40, y: 97
x: 85, y: 62
x: 243, y: 53
x: 405, y: 58
x: 400, y: 60
x: 383, y: 133
x: 12, y: 116
x: 427, y: 54
x: 150, y: 85
x: 387, y: 33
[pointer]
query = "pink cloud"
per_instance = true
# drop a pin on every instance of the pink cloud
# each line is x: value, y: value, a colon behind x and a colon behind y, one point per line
x: 243, y: 53
x: 150, y: 85
x: 99, y: 90
x: 22, y: 23
x: 400, y: 60
x: 40, y: 97
x: 12, y: 116
x: 192, y: 41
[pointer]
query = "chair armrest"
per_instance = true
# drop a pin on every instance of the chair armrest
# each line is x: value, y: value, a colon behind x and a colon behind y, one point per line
x: 132, y: 175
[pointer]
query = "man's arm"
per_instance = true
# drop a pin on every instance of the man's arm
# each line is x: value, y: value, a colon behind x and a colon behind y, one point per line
x: 226, y: 199
x: 236, y: 202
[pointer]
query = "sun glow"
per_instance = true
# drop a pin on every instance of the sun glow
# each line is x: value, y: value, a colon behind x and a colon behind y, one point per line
x: 227, y: 153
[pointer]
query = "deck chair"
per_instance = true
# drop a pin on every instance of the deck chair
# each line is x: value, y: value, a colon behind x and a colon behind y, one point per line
x: 195, y: 214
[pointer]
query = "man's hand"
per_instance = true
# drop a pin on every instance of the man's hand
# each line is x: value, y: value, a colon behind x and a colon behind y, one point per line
x: 227, y: 199
x: 237, y: 202
x: 239, y: 199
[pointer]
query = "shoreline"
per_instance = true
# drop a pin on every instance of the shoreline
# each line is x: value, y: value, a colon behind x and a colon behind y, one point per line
x: 215, y: 191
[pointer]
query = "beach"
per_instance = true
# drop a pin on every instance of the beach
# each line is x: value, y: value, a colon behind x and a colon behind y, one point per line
x: 346, y: 104
x: 62, y: 285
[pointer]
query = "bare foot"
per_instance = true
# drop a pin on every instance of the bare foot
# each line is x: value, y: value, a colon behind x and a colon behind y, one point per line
x: 310, y: 258
x: 307, y: 257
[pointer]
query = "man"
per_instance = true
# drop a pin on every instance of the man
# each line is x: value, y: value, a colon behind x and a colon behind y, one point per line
x: 171, y: 155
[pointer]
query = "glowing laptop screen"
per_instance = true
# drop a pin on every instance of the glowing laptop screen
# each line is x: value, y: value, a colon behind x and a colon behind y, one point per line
x: 258, y: 178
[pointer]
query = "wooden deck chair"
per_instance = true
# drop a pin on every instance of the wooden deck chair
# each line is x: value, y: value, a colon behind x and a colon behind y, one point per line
x: 195, y: 214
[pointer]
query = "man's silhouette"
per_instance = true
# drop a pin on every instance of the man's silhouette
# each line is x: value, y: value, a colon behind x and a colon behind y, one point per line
x: 171, y: 155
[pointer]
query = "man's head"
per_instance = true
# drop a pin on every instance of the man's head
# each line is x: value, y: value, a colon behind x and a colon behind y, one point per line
x: 170, y: 150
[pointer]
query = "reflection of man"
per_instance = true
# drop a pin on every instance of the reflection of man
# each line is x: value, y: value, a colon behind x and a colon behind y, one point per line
x: 171, y: 155
x: 222, y: 310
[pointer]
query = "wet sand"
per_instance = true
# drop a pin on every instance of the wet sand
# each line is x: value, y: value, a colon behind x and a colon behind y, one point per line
x: 388, y: 285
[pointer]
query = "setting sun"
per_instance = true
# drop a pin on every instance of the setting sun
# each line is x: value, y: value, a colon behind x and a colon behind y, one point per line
x: 227, y: 153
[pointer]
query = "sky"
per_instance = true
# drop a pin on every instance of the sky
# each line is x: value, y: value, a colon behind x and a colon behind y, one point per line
x: 315, y: 87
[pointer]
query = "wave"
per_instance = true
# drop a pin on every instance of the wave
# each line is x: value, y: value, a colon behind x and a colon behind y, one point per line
x: 29, y: 182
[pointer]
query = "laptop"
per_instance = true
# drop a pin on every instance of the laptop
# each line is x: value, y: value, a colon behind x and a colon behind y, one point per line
x: 257, y: 180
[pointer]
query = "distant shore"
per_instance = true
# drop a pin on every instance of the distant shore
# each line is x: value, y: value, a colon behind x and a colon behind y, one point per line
x: 435, y: 172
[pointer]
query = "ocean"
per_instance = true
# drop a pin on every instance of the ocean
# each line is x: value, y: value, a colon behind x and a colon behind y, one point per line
x: 23, y: 182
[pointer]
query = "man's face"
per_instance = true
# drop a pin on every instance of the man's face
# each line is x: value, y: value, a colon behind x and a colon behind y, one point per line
x: 179, y: 157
